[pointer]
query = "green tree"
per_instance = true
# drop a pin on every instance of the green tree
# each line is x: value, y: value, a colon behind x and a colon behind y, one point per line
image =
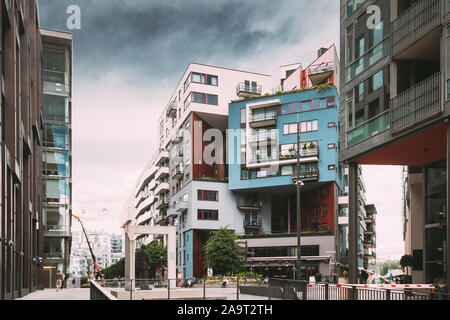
x: 223, y: 253
x: 383, y: 267
x: 155, y: 250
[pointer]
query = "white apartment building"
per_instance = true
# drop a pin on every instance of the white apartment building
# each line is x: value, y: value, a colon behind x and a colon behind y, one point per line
x: 178, y: 187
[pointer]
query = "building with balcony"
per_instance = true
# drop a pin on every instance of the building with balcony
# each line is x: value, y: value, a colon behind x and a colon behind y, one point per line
x: 21, y: 127
x: 395, y: 111
x: 186, y: 189
x: 366, y: 228
x: 262, y: 166
x: 57, y: 154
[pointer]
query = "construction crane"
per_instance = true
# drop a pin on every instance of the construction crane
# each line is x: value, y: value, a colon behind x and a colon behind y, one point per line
x: 89, y: 245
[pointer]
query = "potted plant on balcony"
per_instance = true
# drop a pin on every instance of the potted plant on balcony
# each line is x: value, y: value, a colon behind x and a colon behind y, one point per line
x: 405, y: 262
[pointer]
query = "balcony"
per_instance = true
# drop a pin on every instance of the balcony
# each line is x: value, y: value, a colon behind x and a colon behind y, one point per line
x: 172, y: 213
x: 304, y: 153
x: 171, y: 111
x: 318, y: 73
x: 253, y: 223
x: 268, y: 119
x: 178, y: 172
x: 305, y: 176
x: 417, y: 104
x: 369, y: 243
x: 264, y: 138
x: 161, y: 218
x: 368, y: 129
x: 161, y: 188
x: 413, y: 24
x: 162, y: 203
x: 178, y: 137
x: 162, y: 157
x: 162, y: 172
x: 181, y: 206
x: 249, y: 204
x: 245, y: 90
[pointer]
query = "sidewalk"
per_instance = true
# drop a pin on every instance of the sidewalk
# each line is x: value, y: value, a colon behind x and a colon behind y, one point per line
x: 65, y: 294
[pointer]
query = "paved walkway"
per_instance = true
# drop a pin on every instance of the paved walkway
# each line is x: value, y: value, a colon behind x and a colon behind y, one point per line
x: 65, y: 294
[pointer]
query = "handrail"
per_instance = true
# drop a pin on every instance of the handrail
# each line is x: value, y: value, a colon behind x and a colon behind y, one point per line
x: 97, y: 292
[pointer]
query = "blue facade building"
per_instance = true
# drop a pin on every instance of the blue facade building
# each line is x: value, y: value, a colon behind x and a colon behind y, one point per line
x: 262, y: 158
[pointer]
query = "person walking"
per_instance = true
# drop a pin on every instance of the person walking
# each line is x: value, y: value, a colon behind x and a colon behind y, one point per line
x: 63, y: 277
x: 58, y: 280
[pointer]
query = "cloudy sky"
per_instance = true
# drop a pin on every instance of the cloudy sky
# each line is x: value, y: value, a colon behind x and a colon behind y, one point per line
x: 130, y: 55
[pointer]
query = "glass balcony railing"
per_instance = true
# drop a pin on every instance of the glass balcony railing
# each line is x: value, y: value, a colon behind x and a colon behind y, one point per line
x: 263, y: 137
x: 368, y: 129
x: 368, y: 59
x: 264, y: 117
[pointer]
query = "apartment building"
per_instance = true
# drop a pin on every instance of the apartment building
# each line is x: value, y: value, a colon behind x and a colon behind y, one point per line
x: 180, y: 186
x: 395, y: 112
x: 21, y: 107
x: 366, y: 228
x: 262, y: 157
x: 56, y: 154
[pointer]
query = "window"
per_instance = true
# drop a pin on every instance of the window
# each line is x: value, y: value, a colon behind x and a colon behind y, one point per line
x: 360, y: 47
x: 204, y: 79
x: 287, y: 170
x: 324, y: 210
x: 306, y: 105
x: 243, y: 115
x: 204, y: 98
x: 378, y: 33
x: 377, y: 80
x: 305, y: 126
x: 211, y: 215
x: 360, y: 92
x: 206, y: 195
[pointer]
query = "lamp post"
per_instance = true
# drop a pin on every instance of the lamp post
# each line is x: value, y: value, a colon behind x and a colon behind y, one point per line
x: 298, y: 183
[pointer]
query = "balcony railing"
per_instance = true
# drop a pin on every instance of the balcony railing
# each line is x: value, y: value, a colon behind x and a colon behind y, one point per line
x: 414, y: 23
x: 303, y: 154
x: 263, y: 137
x: 248, y: 89
x: 369, y: 128
x: 178, y: 172
x: 253, y: 223
x: 249, y: 204
x: 320, y: 68
x: 306, y: 175
x: 264, y: 117
x: 172, y: 110
x: 420, y: 102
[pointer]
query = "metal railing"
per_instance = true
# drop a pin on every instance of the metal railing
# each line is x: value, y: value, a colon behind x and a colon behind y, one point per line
x: 249, y: 203
x: 249, y: 223
x: 235, y: 288
x: 419, y: 19
x: 248, y: 88
x: 320, y: 68
x: 98, y: 292
x: 418, y: 103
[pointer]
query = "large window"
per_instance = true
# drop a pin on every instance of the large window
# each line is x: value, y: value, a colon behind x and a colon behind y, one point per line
x: 54, y: 248
x: 212, y: 215
x: 56, y: 136
x: 207, y: 195
x: 305, y: 126
x: 376, y: 80
x: 56, y: 164
x: 204, y: 98
x: 56, y: 108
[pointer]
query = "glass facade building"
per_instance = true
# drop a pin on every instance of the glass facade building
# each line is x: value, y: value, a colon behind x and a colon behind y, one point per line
x: 56, y: 155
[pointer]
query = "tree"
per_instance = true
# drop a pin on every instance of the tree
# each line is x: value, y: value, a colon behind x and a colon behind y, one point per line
x: 223, y: 253
x: 155, y: 250
x: 406, y: 261
x: 383, y: 267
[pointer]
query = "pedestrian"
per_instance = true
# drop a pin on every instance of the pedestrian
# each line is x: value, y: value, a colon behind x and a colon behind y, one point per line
x: 364, y: 276
x: 63, y: 277
x: 119, y: 281
x: 58, y: 280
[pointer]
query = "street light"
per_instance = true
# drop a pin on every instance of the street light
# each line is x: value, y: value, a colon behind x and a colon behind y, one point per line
x: 298, y: 184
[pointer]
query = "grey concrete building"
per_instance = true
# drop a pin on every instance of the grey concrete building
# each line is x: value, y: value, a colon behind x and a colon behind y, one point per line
x: 395, y: 111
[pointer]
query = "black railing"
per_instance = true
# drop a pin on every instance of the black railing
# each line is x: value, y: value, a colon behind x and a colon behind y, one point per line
x: 248, y: 88
x: 237, y: 288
